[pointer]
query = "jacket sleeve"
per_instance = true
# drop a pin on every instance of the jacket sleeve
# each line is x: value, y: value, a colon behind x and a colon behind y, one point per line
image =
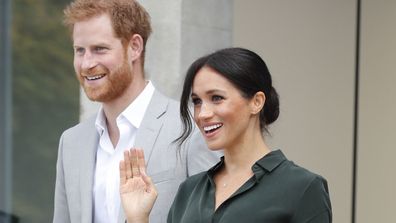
x: 61, y: 208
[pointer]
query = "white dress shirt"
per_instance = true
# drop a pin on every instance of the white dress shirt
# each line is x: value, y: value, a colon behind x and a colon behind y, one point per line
x: 107, y: 179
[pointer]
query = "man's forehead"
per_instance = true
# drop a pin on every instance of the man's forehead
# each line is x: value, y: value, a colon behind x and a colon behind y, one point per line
x: 95, y: 29
x: 97, y: 21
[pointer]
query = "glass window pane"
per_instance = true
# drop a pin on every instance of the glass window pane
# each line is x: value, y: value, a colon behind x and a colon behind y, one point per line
x: 45, y: 102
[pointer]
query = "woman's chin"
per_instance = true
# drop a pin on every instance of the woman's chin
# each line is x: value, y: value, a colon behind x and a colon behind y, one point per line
x: 214, y: 147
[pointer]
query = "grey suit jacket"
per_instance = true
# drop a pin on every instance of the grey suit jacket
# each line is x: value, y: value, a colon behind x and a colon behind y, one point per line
x: 166, y: 165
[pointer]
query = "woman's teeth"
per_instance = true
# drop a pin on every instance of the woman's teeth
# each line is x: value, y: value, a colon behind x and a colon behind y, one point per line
x: 211, y: 128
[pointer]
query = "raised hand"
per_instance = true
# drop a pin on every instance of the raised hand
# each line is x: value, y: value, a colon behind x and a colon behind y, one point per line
x: 137, y: 191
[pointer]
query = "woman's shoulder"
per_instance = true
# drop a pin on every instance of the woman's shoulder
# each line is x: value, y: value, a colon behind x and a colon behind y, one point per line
x: 194, y: 180
x: 303, y: 187
x: 300, y: 176
x: 310, y: 191
x: 290, y: 177
x: 300, y: 172
x: 280, y: 167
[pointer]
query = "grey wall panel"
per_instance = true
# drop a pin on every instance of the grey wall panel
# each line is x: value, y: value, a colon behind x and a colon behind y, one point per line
x: 309, y: 46
x: 376, y: 180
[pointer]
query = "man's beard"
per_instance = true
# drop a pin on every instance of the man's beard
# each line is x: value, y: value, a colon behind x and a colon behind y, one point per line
x: 114, y: 86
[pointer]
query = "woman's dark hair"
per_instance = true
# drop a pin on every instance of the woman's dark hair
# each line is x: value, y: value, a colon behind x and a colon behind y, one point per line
x: 245, y: 70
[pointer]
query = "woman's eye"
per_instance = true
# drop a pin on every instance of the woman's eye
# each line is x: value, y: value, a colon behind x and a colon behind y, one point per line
x: 217, y: 98
x: 196, y: 101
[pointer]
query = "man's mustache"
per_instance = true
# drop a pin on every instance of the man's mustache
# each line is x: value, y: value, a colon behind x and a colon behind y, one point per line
x: 98, y: 70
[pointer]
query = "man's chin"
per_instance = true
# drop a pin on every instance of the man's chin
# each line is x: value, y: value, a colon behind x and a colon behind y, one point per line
x: 94, y: 96
x: 98, y: 98
x: 102, y: 98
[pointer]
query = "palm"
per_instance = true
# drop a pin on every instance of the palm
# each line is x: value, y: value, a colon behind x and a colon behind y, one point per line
x: 137, y: 191
x: 136, y: 197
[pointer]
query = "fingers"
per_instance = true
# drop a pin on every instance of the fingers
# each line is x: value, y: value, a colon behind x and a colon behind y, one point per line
x: 142, y: 169
x: 127, y: 165
x: 134, y: 161
x: 133, y: 164
x: 140, y: 161
x: 123, y: 177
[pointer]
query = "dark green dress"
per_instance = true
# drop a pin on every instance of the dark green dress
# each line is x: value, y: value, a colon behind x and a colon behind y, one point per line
x: 278, y: 192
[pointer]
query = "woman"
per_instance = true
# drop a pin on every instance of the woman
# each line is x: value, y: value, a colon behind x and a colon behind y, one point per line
x: 234, y: 102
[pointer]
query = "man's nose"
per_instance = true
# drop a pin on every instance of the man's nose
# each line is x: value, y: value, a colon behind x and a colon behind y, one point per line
x: 88, y: 61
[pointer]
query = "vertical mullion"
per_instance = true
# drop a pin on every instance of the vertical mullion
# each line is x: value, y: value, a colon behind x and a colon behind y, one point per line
x: 356, y: 110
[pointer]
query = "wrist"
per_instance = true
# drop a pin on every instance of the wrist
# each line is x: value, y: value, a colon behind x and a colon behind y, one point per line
x: 138, y: 220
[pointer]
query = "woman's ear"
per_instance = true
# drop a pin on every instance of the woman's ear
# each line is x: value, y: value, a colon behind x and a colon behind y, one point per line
x: 257, y: 102
x: 135, y: 46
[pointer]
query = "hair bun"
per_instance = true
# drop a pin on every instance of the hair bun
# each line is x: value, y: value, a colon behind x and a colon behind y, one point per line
x: 271, y: 107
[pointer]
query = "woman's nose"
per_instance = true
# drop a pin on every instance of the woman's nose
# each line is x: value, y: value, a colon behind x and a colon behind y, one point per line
x: 205, y: 111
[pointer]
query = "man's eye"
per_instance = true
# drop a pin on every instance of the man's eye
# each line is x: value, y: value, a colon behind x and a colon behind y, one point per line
x: 196, y: 101
x: 100, y: 49
x: 79, y: 50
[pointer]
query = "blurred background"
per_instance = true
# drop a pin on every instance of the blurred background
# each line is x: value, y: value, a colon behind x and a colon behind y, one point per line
x: 332, y: 63
x: 39, y: 98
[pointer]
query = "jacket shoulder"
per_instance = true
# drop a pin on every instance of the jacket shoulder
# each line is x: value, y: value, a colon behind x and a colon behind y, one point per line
x: 83, y: 126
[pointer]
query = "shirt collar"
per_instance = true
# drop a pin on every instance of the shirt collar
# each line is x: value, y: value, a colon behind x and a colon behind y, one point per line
x: 268, y: 162
x: 100, y: 122
x: 134, y: 113
x: 216, y: 167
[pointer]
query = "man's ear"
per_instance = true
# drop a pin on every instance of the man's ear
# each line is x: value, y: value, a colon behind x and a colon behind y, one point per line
x: 135, y: 46
x: 257, y: 102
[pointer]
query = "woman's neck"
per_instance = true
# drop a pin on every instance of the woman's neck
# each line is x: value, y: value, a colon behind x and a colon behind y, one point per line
x: 241, y: 156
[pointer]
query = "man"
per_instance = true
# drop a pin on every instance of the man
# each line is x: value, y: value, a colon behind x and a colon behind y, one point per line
x: 109, y: 38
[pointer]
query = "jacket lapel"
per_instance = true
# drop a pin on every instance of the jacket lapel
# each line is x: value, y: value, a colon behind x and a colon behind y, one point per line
x: 151, y: 124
